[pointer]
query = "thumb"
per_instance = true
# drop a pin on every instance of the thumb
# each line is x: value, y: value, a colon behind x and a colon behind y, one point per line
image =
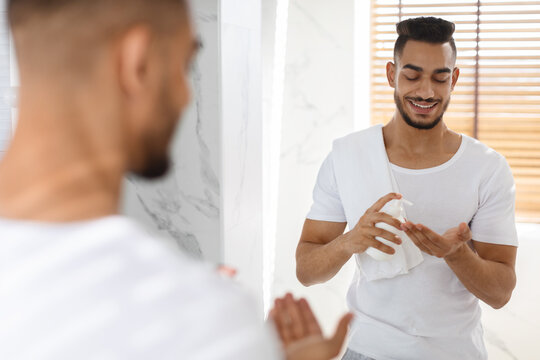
x: 336, y: 342
x: 464, y: 232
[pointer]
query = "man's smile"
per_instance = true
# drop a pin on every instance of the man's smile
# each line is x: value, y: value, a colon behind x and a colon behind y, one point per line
x: 422, y: 107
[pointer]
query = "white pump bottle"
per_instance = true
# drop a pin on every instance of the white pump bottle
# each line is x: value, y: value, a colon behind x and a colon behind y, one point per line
x: 395, y: 209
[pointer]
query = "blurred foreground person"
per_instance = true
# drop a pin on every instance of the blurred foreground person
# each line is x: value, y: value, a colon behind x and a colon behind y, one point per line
x: 103, y: 83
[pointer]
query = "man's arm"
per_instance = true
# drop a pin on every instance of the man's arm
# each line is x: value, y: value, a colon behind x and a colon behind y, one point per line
x: 320, y: 253
x: 489, y: 273
x: 324, y: 248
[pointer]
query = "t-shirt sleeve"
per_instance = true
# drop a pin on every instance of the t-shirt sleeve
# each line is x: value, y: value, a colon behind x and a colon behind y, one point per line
x: 494, y: 222
x: 327, y: 204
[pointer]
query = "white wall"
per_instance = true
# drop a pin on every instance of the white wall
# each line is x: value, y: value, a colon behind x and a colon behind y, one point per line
x: 241, y: 142
x: 5, y: 82
x: 185, y: 206
x: 211, y: 202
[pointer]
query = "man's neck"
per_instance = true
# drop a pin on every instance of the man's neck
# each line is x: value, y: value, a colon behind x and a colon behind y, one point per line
x: 55, y: 172
x: 417, y: 148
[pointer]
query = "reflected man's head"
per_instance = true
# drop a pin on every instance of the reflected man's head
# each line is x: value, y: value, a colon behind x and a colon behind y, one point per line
x: 126, y: 61
x: 423, y: 73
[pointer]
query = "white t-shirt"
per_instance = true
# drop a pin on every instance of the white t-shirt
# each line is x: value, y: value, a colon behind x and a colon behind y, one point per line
x: 428, y: 313
x: 104, y: 289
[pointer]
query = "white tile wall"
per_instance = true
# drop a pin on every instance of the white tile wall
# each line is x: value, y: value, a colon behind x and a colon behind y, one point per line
x: 5, y: 85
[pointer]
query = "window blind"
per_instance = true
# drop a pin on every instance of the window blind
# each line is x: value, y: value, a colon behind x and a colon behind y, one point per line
x: 497, y: 97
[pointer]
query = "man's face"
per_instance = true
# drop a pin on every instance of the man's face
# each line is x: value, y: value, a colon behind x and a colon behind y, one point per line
x: 423, y: 79
x: 171, y: 97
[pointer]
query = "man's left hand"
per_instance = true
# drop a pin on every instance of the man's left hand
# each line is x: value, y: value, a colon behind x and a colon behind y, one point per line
x: 434, y: 244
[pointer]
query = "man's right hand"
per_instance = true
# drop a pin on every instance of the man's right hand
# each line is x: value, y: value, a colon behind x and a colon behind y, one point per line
x: 363, y: 235
x: 300, y: 333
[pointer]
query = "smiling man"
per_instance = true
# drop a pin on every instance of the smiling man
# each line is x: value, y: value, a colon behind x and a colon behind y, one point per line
x: 461, y: 225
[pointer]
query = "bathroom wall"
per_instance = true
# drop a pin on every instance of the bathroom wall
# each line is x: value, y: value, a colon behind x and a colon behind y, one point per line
x: 5, y: 82
x: 185, y: 206
x: 210, y: 205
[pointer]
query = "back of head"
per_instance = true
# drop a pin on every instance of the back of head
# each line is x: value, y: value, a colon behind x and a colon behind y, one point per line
x: 68, y: 33
x: 426, y: 29
x: 113, y: 71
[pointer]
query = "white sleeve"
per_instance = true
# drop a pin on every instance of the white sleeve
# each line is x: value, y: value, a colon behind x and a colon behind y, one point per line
x: 327, y: 204
x: 494, y: 221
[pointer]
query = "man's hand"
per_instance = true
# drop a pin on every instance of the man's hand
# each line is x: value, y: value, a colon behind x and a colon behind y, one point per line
x: 437, y: 245
x: 300, y: 333
x: 362, y: 236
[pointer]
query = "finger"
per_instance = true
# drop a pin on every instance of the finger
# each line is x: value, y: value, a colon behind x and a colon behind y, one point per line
x: 385, y: 218
x: 284, y: 322
x: 385, y: 234
x: 274, y: 315
x: 429, y: 237
x: 465, y: 232
x: 310, y: 321
x: 382, y: 201
x: 336, y: 342
x: 374, y: 243
x: 297, y: 324
x: 409, y: 229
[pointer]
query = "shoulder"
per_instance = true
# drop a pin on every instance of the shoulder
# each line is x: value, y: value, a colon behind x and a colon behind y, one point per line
x: 207, y: 315
x: 358, y: 137
x: 483, y: 158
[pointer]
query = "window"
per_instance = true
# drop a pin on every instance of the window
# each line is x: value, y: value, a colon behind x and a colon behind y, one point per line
x: 497, y: 98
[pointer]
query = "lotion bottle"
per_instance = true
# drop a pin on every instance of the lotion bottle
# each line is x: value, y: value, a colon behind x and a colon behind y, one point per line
x: 395, y: 209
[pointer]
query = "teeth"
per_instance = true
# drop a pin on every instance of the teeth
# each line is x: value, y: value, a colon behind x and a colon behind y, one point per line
x: 424, y: 106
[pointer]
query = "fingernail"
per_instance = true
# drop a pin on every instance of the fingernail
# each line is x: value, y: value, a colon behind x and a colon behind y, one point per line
x: 398, y: 239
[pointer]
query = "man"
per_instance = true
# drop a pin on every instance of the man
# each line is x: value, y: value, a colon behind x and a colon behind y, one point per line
x: 103, y: 83
x: 462, y: 219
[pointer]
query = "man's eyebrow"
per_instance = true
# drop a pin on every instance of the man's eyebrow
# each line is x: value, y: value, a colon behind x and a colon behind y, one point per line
x: 442, y: 70
x: 413, y: 67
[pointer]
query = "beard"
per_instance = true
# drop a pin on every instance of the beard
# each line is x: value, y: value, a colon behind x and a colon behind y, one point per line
x: 415, y: 124
x: 157, y: 161
x: 157, y: 165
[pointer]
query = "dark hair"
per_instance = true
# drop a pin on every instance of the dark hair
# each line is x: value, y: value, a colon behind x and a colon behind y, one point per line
x: 80, y: 12
x: 69, y: 34
x: 427, y: 29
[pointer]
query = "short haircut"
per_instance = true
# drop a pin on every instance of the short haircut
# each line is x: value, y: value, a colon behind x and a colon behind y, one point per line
x: 427, y: 29
x: 70, y: 32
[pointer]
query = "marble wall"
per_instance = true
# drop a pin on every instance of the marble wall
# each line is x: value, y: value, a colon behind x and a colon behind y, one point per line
x: 241, y: 142
x: 511, y: 333
x: 210, y: 204
x: 185, y: 206
x: 5, y: 82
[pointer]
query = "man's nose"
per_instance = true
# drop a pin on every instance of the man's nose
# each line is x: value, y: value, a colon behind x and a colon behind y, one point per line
x: 425, y: 89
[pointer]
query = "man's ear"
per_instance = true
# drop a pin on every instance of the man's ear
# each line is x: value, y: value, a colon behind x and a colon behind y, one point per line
x: 391, y: 74
x: 455, y: 76
x: 134, y: 59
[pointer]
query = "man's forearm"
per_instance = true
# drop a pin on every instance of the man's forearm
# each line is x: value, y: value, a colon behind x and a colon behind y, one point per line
x: 490, y: 281
x: 317, y: 263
